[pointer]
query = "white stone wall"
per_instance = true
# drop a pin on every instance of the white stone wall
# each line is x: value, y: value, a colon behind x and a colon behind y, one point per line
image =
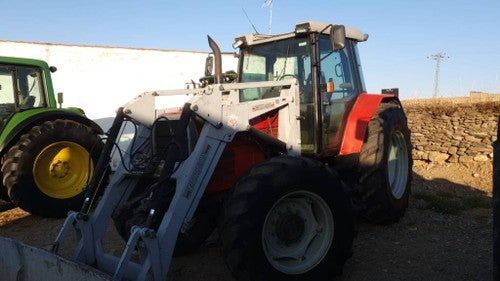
x: 100, y: 79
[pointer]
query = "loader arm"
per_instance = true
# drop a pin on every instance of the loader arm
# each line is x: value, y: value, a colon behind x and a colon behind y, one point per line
x: 224, y: 116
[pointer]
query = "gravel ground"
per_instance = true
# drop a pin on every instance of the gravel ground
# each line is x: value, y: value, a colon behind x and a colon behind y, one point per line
x: 446, y: 234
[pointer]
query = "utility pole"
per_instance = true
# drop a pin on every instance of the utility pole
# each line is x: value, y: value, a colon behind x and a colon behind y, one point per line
x: 438, y: 57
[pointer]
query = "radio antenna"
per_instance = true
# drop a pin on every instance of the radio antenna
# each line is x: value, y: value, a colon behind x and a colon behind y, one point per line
x: 269, y: 3
x: 248, y: 18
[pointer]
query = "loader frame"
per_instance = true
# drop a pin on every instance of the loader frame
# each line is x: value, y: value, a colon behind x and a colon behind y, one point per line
x: 224, y: 115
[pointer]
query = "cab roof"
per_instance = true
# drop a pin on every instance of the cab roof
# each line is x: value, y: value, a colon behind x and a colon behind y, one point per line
x: 312, y: 27
x: 24, y: 61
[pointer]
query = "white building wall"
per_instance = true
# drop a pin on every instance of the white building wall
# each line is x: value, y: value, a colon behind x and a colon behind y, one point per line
x: 101, y: 79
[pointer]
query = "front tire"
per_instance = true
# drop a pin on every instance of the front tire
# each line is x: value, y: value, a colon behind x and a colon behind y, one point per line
x: 47, y: 170
x: 288, y: 219
x: 136, y: 211
x: 386, y: 166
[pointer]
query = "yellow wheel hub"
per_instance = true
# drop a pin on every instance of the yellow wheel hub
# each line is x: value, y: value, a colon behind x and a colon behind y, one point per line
x: 62, y: 169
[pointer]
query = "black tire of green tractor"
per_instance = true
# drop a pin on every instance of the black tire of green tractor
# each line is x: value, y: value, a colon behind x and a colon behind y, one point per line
x: 3, y: 194
x: 136, y: 210
x: 61, y: 184
x: 385, y: 166
x: 281, y: 205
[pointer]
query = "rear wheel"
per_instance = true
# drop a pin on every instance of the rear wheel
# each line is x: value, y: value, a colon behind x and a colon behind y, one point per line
x: 386, y: 166
x: 46, y: 172
x: 287, y: 219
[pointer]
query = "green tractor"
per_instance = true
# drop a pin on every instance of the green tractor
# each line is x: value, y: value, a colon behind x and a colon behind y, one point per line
x: 47, y: 154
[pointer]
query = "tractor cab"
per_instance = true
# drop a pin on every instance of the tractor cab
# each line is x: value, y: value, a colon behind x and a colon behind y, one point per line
x: 324, y: 59
x: 21, y: 87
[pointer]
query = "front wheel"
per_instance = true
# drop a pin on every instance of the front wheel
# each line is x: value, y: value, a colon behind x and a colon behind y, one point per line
x: 136, y: 211
x: 46, y: 172
x: 287, y: 219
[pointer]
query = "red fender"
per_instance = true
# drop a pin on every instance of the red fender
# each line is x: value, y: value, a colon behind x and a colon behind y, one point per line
x: 238, y: 157
x: 362, y: 112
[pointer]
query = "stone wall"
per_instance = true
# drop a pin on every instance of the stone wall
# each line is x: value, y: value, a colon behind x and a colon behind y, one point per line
x: 453, y: 130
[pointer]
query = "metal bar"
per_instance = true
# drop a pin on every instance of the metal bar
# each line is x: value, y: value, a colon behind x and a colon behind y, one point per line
x: 63, y: 232
x: 496, y: 206
x: 127, y: 254
x: 102, y: 166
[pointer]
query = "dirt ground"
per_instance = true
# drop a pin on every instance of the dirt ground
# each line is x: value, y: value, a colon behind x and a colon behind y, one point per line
x: 446, y: 233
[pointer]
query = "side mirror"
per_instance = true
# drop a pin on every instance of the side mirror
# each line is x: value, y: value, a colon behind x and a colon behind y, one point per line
x: 209, y: 65
x: 337, y: 37
x: 60, y: 99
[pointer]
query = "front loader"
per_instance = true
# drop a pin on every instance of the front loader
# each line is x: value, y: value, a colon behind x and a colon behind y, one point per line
x: 280, y: 161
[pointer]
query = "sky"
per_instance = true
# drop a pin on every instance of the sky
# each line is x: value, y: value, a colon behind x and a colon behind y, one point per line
x: 403, y: 34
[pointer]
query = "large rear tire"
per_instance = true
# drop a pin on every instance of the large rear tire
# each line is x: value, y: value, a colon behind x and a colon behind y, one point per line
x: 385, y: 165
x: 289, y: 218
x: 47, y: 170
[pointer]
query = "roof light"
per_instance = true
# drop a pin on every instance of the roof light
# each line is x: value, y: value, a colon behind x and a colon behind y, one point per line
x: 302, y: 27
x: 237, y: 43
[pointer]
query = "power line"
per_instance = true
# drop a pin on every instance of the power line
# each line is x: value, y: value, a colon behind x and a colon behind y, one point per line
x: 438, y: 57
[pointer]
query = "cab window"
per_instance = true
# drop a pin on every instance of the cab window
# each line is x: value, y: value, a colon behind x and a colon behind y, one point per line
x: 338, y: 89
x: 7, y: 90
x: 280, y: 60
x: 30, y: 87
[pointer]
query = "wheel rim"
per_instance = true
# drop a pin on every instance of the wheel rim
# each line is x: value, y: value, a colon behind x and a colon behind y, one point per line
x: 297, y: 232
x: 61, y: 169
x: 397, y: 165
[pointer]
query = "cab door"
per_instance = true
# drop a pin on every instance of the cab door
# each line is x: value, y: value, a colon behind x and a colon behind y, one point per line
x: 338, y: 89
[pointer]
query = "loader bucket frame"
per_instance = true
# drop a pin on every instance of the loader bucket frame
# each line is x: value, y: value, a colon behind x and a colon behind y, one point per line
x: 22, y: 262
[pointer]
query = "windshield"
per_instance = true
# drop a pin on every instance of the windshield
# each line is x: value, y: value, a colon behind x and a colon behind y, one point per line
x: 21, y: 87
x: 280, y: 60
x: 285, y: 59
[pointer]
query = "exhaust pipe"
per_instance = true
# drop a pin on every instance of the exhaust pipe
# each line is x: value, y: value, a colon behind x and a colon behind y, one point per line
x: 218, y: 60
